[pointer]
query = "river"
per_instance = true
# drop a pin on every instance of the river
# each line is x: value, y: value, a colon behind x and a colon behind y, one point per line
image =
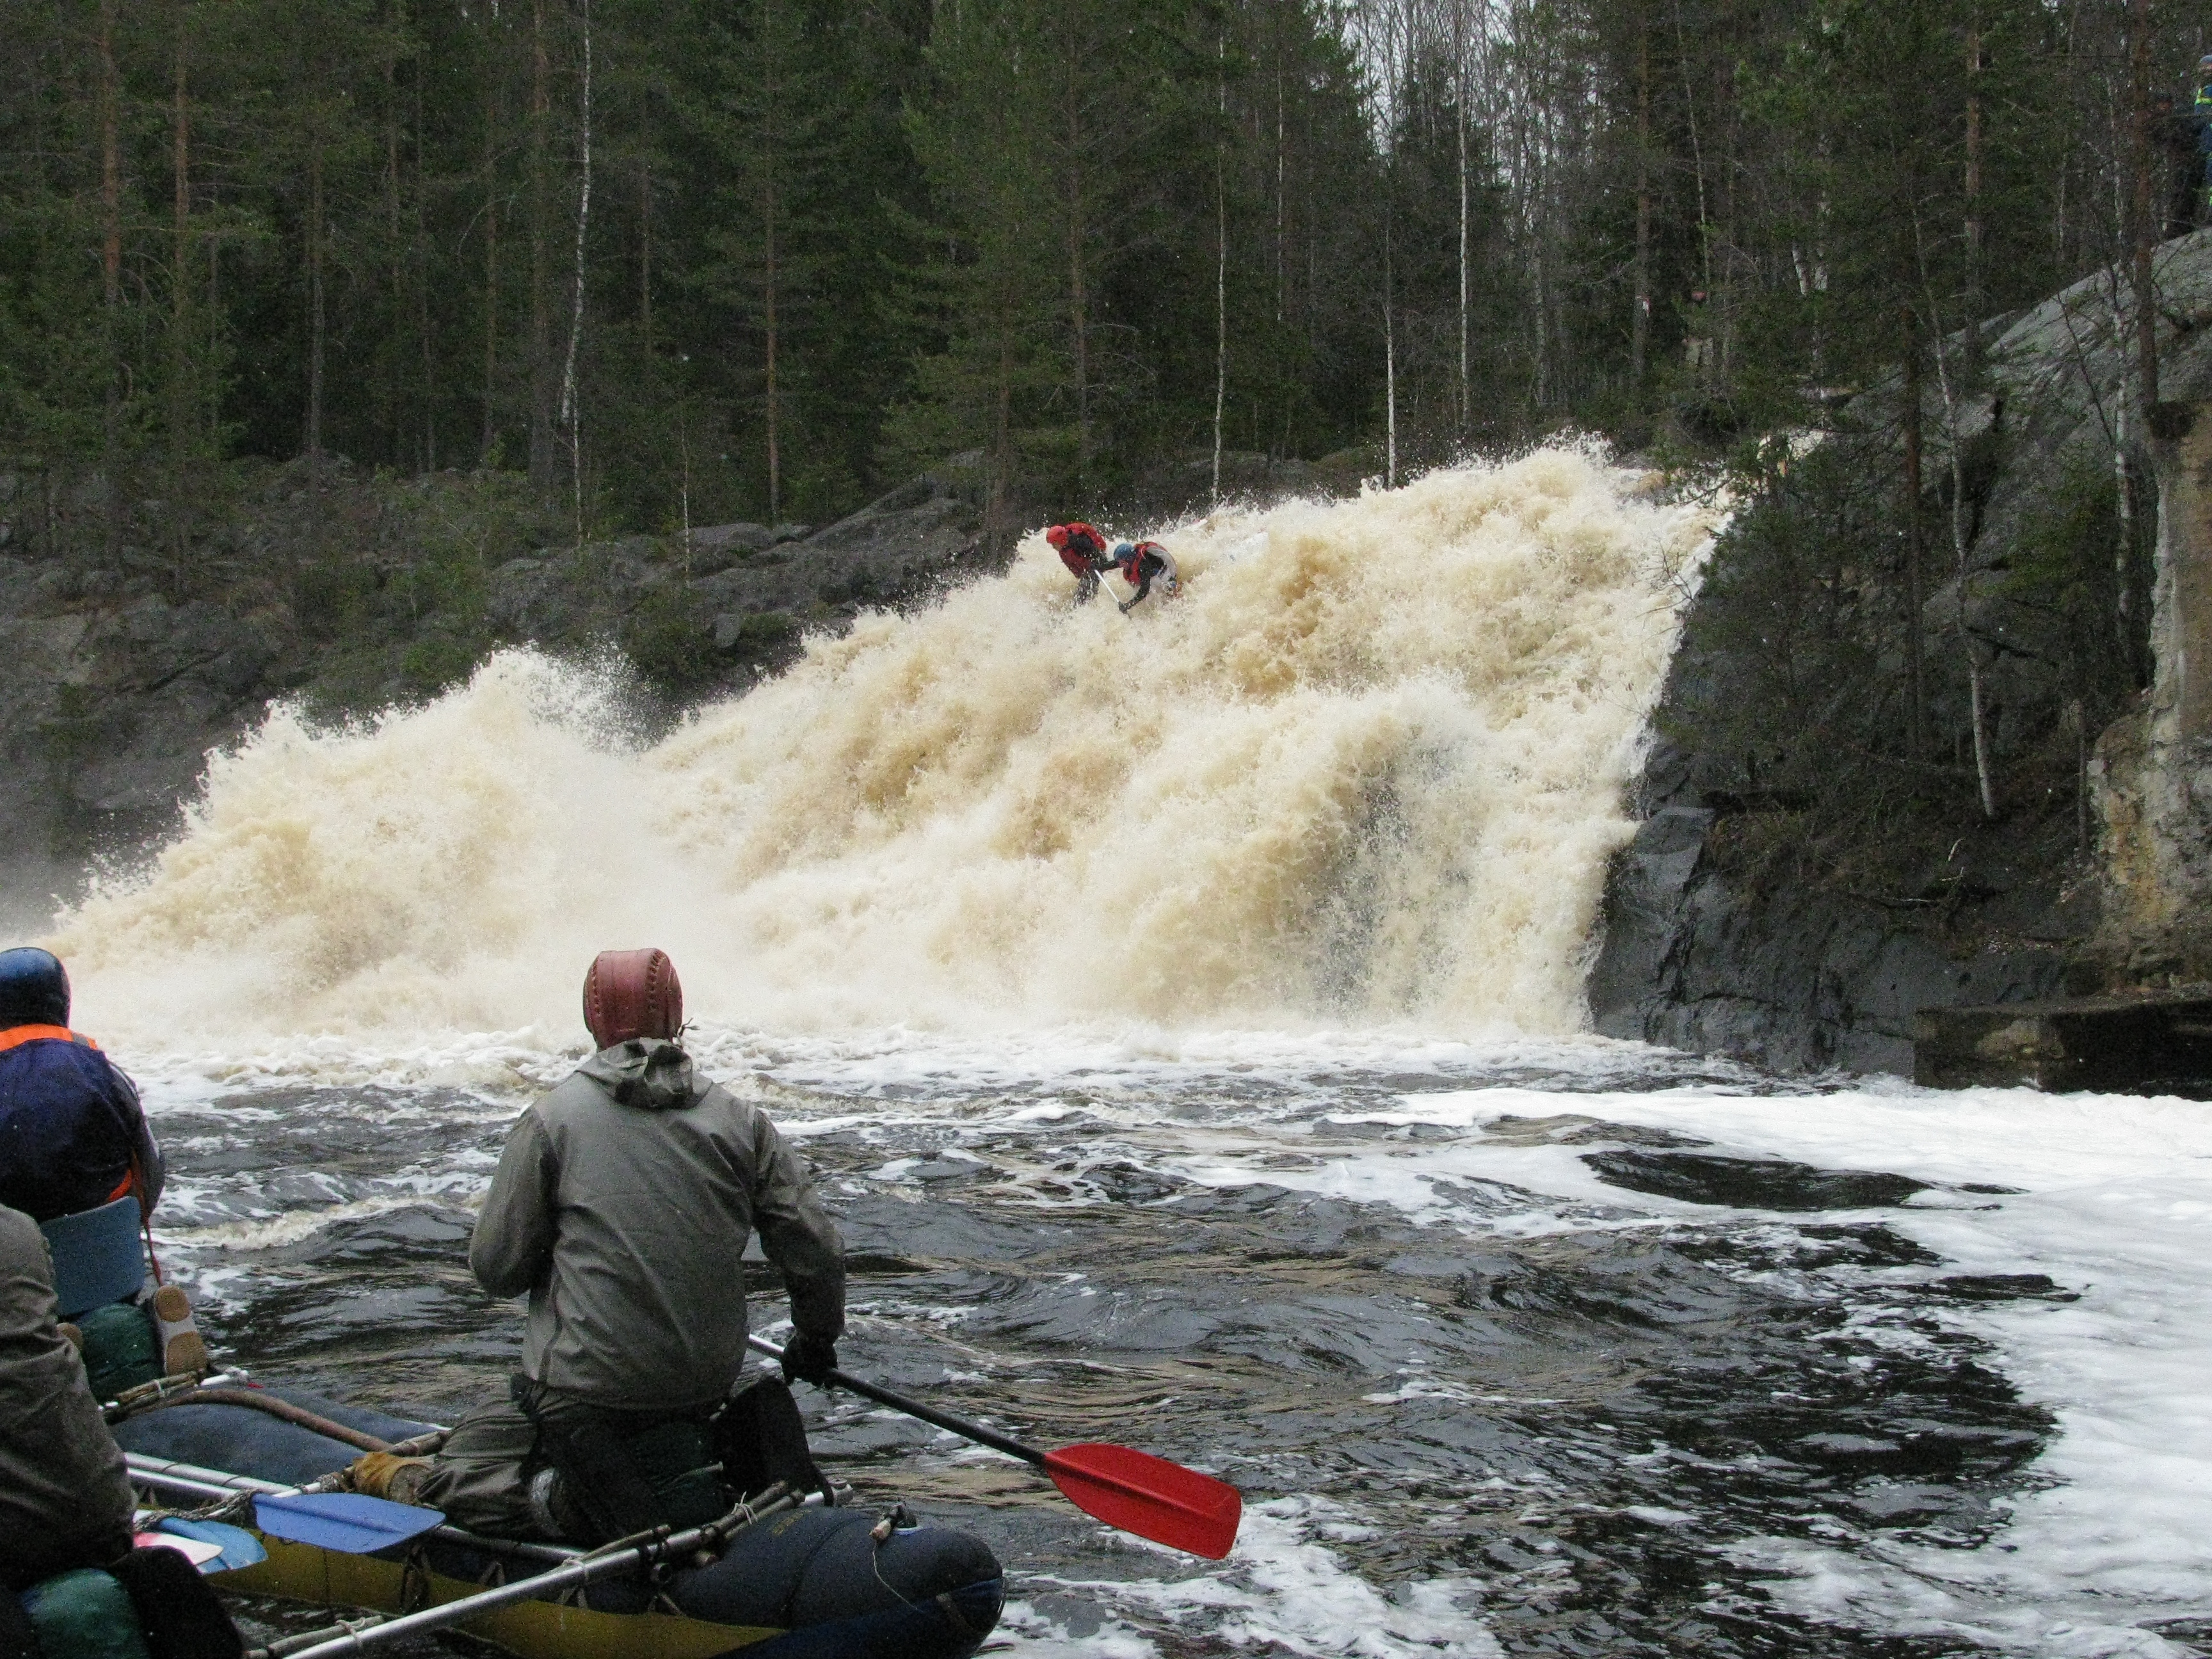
x: 1182, y: 1015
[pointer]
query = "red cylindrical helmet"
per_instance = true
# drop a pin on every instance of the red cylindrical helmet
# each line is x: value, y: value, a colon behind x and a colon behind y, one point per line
x: 1056, y: 538
x: 632, y: 994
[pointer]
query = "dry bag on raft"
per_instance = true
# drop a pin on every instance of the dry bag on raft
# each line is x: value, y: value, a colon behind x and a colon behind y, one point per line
x: 151, y: 1604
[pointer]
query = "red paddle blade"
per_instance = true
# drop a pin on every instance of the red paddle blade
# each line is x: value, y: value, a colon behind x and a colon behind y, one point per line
x: 1149, y: 1495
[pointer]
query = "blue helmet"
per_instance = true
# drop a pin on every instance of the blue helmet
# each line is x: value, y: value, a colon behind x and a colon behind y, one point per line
x: 35, y: 987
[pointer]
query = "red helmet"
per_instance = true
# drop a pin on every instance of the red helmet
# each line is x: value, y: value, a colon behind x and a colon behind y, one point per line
x: 1056, y: 538
x: 632, y: 994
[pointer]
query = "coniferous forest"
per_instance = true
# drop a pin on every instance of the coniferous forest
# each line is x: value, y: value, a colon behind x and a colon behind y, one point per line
x: 695, y: 260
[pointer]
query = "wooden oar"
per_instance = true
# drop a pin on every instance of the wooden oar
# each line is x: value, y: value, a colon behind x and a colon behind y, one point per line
x: 1132, y: 1490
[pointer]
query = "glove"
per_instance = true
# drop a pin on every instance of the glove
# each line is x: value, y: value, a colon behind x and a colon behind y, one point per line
x: 379, y: 1474
x: 809, y: 1359
x: 1124, y: 606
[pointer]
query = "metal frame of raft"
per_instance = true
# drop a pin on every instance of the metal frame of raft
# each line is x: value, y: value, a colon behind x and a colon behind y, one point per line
x: 532, y: 1629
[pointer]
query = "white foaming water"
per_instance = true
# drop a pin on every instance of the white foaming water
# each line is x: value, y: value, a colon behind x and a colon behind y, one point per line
x: 1369, y: 766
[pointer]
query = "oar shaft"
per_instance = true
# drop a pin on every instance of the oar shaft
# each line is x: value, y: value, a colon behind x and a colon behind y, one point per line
x: 912, y: 1408
x: 581, y: 1571
x: 191, y: 1481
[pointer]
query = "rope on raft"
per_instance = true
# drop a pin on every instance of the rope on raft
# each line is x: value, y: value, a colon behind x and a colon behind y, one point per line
x: 260, y: 1400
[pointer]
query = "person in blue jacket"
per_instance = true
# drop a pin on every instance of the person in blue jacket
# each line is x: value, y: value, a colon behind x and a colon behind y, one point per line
x: 73, y: 1135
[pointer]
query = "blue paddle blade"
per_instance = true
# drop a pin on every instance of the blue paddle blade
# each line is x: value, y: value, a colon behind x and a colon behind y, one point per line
x: 343, y: 1521
x: 240, y: 1548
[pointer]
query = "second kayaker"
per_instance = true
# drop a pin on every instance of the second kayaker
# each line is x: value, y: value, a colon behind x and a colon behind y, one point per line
x: 622, y: 1205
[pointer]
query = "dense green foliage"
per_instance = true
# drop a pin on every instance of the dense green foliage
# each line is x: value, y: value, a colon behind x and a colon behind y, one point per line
x: 691, y: 260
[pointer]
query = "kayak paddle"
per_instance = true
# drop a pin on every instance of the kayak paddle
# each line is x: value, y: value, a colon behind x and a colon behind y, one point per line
x: 1131, y: 1490
x: 347, y: 1522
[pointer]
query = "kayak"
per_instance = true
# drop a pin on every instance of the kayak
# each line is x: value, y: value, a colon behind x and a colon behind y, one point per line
x: 813, y: 1583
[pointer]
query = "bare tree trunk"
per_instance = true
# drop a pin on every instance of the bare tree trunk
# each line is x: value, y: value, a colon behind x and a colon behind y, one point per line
x: 1220, y: 265
x: 771, y: 212
x: 396, y: 388
x: 490, y: 440
x: 315, y: 328
x: 180, y: 281
x: 541, y: 225
x: 110, y: 163
x: 111, y: 271
x: 1389, y: 363
x: 774, y: 391
x: 1977, y: 704
x: 2146, y: 228
x: 180, y: 286
x: 1461, y: 46
x: 2124, y: 481
x: 1697, y: 157
x: 1639, y: 322
x: 1078, y: 295
x: 998, y: 510
x: 1975, y: 283
x: 1916, y: 735
x: 421, y: 263
x: 572, y: 407
x: 1282, y: 198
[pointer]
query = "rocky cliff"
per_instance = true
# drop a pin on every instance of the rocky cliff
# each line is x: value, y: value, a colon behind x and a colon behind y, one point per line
x: 1793, y: 897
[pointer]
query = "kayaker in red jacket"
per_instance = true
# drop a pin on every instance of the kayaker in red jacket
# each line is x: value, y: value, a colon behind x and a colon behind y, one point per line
x: 1083, y: 551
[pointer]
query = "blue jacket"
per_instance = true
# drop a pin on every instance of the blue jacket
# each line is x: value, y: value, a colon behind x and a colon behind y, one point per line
x: 72, y: 1132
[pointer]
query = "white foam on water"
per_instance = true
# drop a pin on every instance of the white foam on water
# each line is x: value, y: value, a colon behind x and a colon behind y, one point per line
x: 2115, y: 1203
x: 1283, y: 1589
x: 1367, y: 769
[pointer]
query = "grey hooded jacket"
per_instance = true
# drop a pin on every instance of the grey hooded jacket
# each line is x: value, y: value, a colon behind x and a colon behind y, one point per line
x: 64, y: 1500
x: 621, y: 1203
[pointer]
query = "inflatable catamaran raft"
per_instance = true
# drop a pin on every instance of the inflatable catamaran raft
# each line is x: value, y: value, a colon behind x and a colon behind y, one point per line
x: 779, y: 1577
x: 788, y: 1579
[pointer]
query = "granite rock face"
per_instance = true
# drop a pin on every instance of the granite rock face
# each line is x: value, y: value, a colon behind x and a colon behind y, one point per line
x: 1792, y: 977
x: 1716, y: 942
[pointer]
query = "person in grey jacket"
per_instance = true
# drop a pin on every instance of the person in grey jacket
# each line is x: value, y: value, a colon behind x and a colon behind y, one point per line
x: 64, y: 1499
x: 622, y: 1205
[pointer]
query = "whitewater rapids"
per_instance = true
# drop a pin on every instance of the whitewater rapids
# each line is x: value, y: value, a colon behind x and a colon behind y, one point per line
x: 1370, y: 765
x: 1181, y: 1014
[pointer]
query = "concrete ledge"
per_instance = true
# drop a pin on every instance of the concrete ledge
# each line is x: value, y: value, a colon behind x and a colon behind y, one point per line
x: 2153, y: 1043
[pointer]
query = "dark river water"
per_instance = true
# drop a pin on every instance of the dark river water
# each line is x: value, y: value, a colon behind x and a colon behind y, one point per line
x: 1576, y: 1350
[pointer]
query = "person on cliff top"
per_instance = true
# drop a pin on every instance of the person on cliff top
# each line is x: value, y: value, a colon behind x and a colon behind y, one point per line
x: 622, y: 1205
x: 73, y: 1135
x: 1083, y: 551
x: 2177, y: 143
x: 1141, y: 564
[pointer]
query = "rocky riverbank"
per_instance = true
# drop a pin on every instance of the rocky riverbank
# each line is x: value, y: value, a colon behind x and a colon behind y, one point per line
x: 1795, y: 893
